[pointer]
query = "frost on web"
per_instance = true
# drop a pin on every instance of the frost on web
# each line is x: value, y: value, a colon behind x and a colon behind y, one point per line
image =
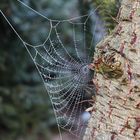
x: 62, y: 60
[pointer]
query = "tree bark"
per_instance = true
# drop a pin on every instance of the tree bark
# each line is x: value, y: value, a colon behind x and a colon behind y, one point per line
x: 116, y: 112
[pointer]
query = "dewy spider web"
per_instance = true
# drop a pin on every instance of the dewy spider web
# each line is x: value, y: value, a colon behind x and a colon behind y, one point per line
x: 64, y: 67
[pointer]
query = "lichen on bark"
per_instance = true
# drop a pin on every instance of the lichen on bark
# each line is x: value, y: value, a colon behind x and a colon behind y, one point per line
x: 116, y: 112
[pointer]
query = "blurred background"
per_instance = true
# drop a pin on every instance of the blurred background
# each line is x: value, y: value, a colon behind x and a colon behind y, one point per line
x: 25, y: 108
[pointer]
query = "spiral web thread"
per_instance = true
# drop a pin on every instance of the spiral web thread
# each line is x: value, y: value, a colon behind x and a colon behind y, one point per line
x: 64, y: 68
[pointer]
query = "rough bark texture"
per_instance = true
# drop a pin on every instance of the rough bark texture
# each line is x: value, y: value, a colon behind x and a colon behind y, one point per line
x: 116, y: 113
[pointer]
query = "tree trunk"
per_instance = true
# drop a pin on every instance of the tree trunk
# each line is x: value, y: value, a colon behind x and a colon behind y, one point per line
x: 116, y: 112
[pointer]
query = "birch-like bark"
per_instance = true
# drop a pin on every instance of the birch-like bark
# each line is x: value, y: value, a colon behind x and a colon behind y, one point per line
x: 116, y: 112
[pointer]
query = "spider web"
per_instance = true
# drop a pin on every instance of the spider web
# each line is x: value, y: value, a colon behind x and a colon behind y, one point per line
x: 63, y: 65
